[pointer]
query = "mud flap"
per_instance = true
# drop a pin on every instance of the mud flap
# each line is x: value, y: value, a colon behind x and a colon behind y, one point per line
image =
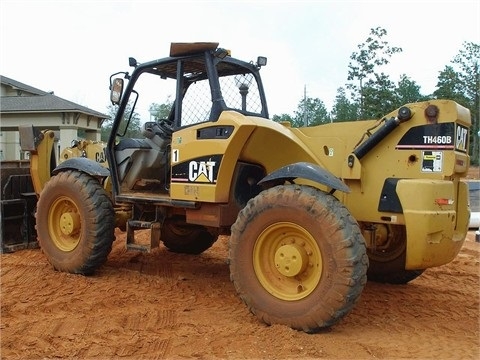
x: 307, y: 171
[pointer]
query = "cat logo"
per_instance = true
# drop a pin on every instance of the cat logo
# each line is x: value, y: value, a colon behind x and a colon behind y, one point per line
x: 100, y: 156
x: 461, y: 138
x: 201, y: 171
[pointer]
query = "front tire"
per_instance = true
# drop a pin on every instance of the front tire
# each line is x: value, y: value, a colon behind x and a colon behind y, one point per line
x: 75, y: 222
x: 297, y: 257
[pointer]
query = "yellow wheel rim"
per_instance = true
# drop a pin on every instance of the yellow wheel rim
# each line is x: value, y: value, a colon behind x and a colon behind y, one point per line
x: 64, y: 224
x: 287, y: 261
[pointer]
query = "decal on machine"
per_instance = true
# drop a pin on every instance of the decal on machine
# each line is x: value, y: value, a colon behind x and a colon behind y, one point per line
x: 175, y: 156
x: 202, y: 170
x: 461, y: 138
x: 443, y: 136
x: 100, y: 157
x: 429, y: 137
x: 432, y: 161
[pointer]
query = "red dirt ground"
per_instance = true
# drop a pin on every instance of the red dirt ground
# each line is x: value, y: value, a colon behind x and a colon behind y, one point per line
x: 164, y: 305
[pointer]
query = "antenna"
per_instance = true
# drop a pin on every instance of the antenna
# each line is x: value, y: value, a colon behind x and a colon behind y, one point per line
x: 305, y: 119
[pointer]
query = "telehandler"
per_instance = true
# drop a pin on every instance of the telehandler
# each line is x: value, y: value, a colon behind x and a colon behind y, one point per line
x: 18, y: 199
x: 311, y: 212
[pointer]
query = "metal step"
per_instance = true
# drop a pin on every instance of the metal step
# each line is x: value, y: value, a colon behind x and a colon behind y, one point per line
x: 132, y: 244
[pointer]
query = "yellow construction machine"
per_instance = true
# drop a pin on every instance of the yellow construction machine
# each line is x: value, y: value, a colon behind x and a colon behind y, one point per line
x: 19, y: 190
x: 311, y: 212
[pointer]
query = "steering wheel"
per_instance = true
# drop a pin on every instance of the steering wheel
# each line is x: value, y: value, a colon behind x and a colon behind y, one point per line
x: 162, y: 128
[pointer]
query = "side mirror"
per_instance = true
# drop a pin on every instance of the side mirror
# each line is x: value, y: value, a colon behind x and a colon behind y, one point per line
x: 116, y: 91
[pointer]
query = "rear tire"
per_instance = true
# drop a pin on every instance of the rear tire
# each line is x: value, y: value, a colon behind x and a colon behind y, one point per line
x: 401, y: 277
x: 297, y: 257
x: 183, y: 238
x: 75, y: 222
x: 387, y: 261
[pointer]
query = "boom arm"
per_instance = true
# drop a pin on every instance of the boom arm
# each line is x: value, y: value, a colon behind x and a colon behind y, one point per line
x: 42, y: 157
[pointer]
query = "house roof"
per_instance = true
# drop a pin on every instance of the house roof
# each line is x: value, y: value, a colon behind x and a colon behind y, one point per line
x: 21, y: 86
x: 41, y: 101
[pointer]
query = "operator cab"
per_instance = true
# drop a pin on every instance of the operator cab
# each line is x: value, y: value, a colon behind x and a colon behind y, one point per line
x: 194, y: 85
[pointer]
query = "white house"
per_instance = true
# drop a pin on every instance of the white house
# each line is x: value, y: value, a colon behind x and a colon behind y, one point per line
x: 21, y: 104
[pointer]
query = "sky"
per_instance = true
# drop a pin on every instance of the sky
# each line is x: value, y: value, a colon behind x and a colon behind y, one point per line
x: 72, y: 47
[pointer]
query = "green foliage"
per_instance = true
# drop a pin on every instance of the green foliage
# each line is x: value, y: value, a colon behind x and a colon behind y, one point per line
x: 161, y: 111
x: 282, y: 118
x: 467, y: 60
x: 461, y: 82
x: 382, y: 95
x: 344, y: 109
x: 449, y: 86
x: 107, y: 124
x: 310, y: 112
x: 373, y: 52
x: 373, y: 91
x: 379, y: 99
x: 130, y: 124
x: 407, y: 91
x: 372, y: 94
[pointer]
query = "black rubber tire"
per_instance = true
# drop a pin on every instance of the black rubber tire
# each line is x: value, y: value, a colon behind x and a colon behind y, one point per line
x: 399, y: 277
x: 387, y: 265
x: 183, y: 238
x: 308, y: 219
x: 75, y: 222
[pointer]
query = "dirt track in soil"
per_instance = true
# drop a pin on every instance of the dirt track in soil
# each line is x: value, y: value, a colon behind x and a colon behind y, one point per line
x: 164, y: 305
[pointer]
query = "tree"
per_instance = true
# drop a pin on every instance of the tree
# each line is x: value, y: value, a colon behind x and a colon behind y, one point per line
x: 161, y: 111
x: 343, y: 109
x: 407, y: 91
x: 282, y: 118
x: 379, y: 97
x: 468, y: 60
x: 107, y: 124
x: 449, y: 86
x: 374, y: 52
x: 134, y: 127
x: 461, y: 82
x: 310, y: 112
